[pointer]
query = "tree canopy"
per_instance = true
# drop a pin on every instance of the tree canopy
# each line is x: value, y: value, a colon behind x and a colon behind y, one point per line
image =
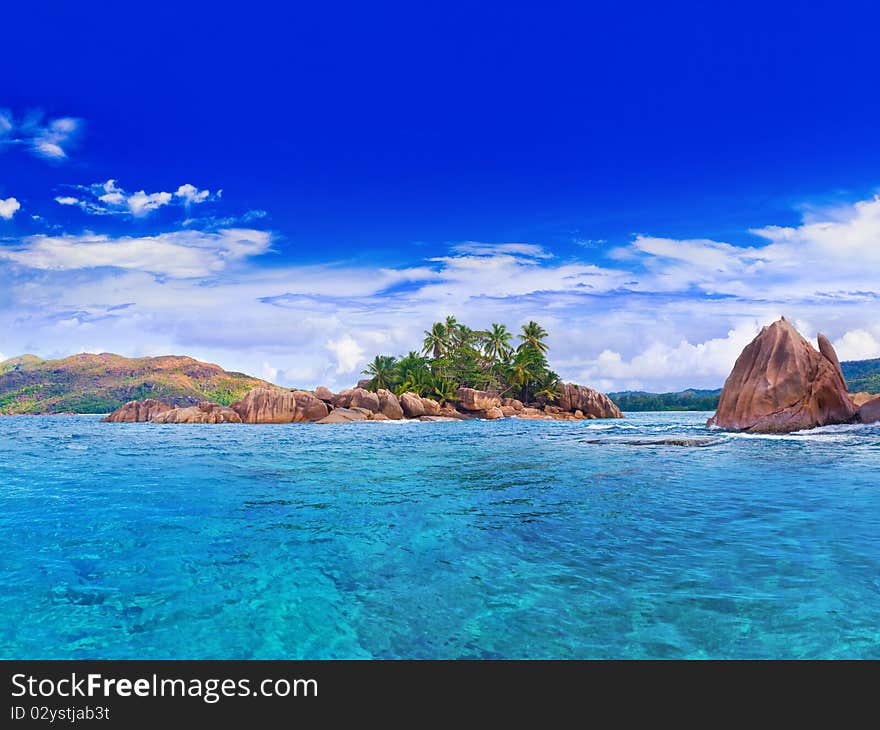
x: 455, y: 356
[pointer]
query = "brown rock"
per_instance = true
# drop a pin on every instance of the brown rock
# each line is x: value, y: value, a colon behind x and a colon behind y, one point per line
x: 325, y: 394
x: 494, y: 413
x: 412, y: 405
x: 380, y: 417
x: 780, y: 383
x: 470, y: 399
x: 508, y: 411
x: 309, y: 407
x: 438, y: 418
x: 389, y: 405
x: 859, y: 399
x: 870, y: 411
x: 579, y: 414
x: 137, y: 411
x: 432, y: 407
x: 361, y: 398
x: 586, y: 400
x: 344, y: 415
x: 267, y: 405
x: 202, y: 413
x: 512, y: 403
x: 343, y: 398
x: 827, y: 349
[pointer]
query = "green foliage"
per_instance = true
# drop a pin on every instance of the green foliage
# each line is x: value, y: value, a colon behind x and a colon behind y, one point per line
x: 862, y: 375
x: 453, y: 355
x: 687, y: 400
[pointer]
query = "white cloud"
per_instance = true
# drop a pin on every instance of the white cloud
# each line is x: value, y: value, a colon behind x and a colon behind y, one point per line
x: 141, y: 203
x: 191, y: 195
x: 665, y: 315
x: 50, y: 139
x: 269, y: 373
x: 108, y: 198
x: 857, y: 345
x: 493, y: 249
x: 8, y: 208
x: 680, y: 362
x: 349, y: 354
x: 182, y: 254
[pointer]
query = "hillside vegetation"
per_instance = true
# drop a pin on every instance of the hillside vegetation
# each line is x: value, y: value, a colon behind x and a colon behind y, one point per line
x: 89, y: 383
x: 862, y: 375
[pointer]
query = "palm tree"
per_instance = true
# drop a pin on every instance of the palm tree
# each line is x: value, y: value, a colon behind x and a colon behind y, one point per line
x: 496, y: 341
x: 524, y: 370
x: 533, y: 336
x: 436, y: 340
x: 413, y: 373
x: 382, y: 372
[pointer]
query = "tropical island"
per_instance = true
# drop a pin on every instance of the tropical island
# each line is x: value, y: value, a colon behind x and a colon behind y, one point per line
x: 458, y: 373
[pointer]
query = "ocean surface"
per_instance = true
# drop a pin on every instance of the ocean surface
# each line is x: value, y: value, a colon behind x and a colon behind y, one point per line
x: 506, y: 539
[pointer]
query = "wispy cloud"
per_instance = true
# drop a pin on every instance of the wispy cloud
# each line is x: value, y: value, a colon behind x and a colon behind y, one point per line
x: 181, y: 254
x: 108, y: 198
x: 48, y: 138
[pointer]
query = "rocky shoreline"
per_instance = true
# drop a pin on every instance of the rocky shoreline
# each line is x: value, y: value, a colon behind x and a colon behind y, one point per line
x: 321, y: 406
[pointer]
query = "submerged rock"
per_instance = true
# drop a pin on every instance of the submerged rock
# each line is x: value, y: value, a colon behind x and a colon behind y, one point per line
x: 137, y: 411
x: 780, y: 383
x: 202, y: 413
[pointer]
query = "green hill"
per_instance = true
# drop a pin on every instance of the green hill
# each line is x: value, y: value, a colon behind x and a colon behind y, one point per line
x: 101, y: 383
x: 685, y: 400
x: 862, y: 375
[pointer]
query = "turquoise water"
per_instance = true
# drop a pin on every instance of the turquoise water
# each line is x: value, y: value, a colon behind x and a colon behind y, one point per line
x: 437, y: 540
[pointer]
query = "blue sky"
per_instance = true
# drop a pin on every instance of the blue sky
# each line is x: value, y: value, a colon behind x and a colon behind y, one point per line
x: 288, y: 190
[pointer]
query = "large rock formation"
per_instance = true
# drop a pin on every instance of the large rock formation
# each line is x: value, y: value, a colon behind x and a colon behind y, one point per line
x: 870, y: 411
x: 591, y: 403
x: 412, y: 405
x: 138, y: 411
x: 477, y: 400
x: 267, y: 405
x: 274, y: 405
x: 324, y: 393
x: 389, y: 405
x: 309, y: 407
x: 362, y: 398
x: 780, y: 383
x: 202, y: 413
